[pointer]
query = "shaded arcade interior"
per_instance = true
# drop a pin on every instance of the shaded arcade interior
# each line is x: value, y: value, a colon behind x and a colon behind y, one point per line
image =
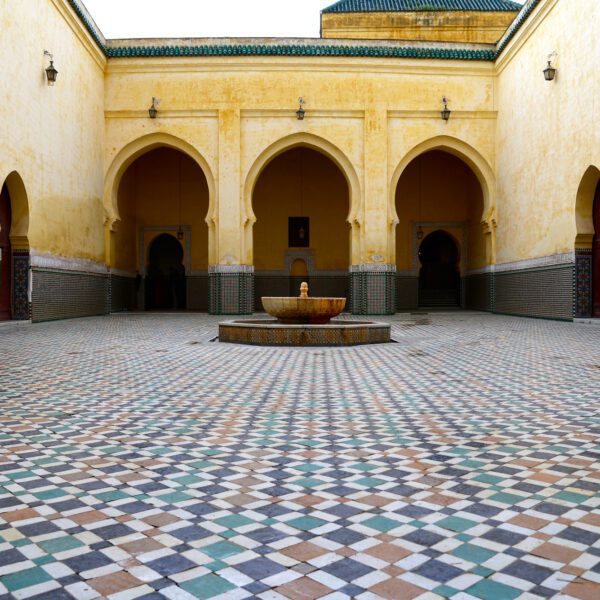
x: 440, y: 242
x: 160, y: 247
x: 301, y: 204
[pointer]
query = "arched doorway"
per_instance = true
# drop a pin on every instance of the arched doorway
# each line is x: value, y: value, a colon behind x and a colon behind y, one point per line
x: 5, y: 256
x: 163, y: 201
x: 165, y: 275
x: 298, y: 274
x: 301, y: 202
x: 439, y: 275
x: 596, y: 256
x: 439, y: 202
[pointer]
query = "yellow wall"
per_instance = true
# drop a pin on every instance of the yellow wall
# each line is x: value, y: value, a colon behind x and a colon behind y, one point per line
x: 301, y: 183
x: 529, y: 142
x: 149, y: 198
x: 365, y: 113
x: 53, y: 136
x: 435, y: 26
x: 440, y: 188
x: 548, y: 132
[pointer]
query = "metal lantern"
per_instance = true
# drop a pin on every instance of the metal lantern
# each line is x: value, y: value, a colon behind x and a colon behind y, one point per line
x: 301, y: 112
x: 549, y: 72
x: 51, y: 72
x: 153, y: 111
x: 446, y: 112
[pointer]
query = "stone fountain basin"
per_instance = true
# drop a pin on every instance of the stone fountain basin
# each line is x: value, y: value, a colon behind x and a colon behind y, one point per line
x: 300, y: 311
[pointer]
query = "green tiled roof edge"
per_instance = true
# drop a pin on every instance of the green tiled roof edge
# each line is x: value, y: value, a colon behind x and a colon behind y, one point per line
x: 98, y: 38
x: 359, y: 6
x: 516, y: 25
x: 303, y: 49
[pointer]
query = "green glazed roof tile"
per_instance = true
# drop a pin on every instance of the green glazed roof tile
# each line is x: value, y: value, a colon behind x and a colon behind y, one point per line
x: 283, y: 49
x: 351, y: 6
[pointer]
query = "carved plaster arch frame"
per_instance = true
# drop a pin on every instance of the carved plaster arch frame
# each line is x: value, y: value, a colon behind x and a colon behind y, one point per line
x: 474, y: 160
x: 132, y: 151
x: 584, y: 207
x: 331, y: 151
x: 19, y: 204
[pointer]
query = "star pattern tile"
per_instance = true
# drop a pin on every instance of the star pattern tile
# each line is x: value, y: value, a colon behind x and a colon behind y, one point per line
x: 140, y: 460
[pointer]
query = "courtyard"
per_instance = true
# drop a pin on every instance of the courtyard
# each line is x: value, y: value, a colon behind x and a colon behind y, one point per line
x: 140, y: 459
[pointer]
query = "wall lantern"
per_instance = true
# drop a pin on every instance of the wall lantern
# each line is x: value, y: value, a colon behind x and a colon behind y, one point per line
x: 446, y: 112
x: 51, y: 72
x: 420, y: 233
x: 550, y: 71
x: 301, y: 112
x: 153, y: 110
x: 180, y: 234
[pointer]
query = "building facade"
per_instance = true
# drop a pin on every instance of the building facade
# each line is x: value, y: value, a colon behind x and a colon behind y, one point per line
x: 227, y: 194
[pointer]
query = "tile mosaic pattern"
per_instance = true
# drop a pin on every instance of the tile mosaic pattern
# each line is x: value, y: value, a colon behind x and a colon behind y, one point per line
x: 139, y: 460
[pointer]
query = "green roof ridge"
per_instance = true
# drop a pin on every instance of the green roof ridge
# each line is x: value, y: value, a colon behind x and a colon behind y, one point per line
x: 353, y: 6
x: 307, y: 49
x: 301, y: 50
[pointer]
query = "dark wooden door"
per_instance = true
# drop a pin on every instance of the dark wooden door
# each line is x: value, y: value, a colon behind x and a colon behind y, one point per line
x: 596, y: 257
x: 5, y: 256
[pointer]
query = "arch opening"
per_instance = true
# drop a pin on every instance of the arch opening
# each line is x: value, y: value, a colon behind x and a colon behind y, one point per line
x: 439, y: 199
x: 439, y: 273
x: 165, y: 274
x: 596, y: 256
x: 587, y: 245
x: 301, y: 203
x: 14, y: 249
x: 162, y: 195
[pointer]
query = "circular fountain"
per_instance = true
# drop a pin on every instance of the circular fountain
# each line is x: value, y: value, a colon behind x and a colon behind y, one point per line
x: 303, y: 321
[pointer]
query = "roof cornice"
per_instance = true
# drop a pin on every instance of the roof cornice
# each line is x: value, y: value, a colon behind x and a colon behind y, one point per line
x: 302, y: 49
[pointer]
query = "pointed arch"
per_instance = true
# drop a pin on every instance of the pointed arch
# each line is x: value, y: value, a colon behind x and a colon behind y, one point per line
x: 137, y: 148
x: 584, y: 205
x: 19, y: 202
x: 313, y: 142
x: 469, y: 155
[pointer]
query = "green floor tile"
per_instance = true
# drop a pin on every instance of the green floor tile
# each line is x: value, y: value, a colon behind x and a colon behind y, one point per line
x: 222, y: 550
x: 382, y: 524
x: 492, y: 590
x: 24, y: 579
x: 472, y: 553
x: 207, y: 586
x: 60, y: 544
x: 305, y: 523
x: 456, y: 524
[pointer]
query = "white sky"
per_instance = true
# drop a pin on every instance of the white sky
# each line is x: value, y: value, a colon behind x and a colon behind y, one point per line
x: 208, y: 18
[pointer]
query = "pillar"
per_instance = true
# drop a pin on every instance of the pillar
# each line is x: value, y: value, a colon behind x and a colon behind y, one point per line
x: 373, y: 279
x: 231, y: 282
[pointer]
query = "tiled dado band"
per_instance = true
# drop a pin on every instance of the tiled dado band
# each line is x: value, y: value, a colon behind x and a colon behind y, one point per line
x: 556, y: 287
x: 64, y: 288
x: 373, y: 289
x: 582, y: 283
x: 231, y: 289
x: 20, y: 285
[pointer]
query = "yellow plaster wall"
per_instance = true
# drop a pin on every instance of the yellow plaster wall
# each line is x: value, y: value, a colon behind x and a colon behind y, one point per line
x: 439, y: 188
x: 239, y: 111
x: 149, y: 197
x: 548, y: 132
x: 434, y: 26
x: 53, y: 136
x: 301, y: 183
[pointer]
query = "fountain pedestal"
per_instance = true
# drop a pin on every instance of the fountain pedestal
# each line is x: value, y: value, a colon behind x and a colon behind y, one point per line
x: 303, y: 321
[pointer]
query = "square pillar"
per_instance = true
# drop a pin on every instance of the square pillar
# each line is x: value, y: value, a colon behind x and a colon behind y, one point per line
x: 372, y: 289
x: 231, y: 289
x: 21, y: 280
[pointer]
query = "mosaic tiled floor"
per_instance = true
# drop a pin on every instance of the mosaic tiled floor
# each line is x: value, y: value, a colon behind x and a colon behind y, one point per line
x: 138, y: 460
